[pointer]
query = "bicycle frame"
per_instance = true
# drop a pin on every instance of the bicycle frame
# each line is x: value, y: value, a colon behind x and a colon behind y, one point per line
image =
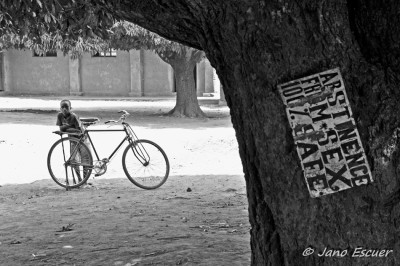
x: 140, y: 153
x: 126, y: 128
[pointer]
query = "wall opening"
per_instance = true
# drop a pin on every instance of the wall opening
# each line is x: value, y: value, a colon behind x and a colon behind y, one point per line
x: 52, y: 53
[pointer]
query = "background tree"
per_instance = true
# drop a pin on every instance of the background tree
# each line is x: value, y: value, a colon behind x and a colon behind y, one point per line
x: 183, y: 60
x: 254, y: 46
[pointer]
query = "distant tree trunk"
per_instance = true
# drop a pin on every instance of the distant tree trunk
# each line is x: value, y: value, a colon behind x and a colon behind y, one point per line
x: 256, y: 45
x: 183, y: 65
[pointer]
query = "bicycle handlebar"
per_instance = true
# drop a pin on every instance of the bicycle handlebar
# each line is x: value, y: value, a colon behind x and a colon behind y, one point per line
x: 122, y: 118
x: 123, y: 112
x: 111, y: 121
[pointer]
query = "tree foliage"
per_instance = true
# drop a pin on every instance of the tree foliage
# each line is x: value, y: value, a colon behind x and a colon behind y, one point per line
x: 122, y: 35
x: 51, y: 42
x: 126, y: 36
x: 42, y: 25
x: 66, y: 19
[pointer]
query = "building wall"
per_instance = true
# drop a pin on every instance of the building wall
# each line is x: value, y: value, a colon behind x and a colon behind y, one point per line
x: 155, y: 78
x: 105, y: 75
x: 134, y: 73
x: 36, y: 75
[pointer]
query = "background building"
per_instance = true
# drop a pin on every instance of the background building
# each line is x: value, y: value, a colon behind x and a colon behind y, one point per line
x: 136, y: 73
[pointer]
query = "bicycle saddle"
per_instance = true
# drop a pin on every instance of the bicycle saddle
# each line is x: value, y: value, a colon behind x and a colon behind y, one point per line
x: 87, y: 121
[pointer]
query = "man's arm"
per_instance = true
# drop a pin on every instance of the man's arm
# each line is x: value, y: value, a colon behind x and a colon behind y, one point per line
x: 75, y: 124
x: 64, y: 127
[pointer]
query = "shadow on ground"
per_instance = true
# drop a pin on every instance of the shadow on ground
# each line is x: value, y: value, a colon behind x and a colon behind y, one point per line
x: 112, y: 222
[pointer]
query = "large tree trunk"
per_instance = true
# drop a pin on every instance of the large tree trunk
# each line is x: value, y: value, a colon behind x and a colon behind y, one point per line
x: 256, y: 45
x: 183, y: 64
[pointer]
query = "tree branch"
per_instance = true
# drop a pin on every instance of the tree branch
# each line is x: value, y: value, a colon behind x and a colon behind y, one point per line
x: 174, y: 20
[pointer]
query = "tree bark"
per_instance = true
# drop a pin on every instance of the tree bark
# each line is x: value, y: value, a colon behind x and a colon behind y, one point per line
x: 1, y: 70
x: 256, y: 45
x: 183, y: 64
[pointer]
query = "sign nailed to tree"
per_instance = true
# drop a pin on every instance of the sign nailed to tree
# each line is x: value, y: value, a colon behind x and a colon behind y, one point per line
x: 325, y: 133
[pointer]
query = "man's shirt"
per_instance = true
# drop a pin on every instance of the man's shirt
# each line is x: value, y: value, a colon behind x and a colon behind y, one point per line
x: 72, y: 120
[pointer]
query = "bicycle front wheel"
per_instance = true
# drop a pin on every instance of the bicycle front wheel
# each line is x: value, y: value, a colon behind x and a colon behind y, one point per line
x: 70, y: 162
x: 145, y: 164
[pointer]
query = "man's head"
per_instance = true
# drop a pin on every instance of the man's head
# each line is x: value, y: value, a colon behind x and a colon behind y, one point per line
x: 65, y: 107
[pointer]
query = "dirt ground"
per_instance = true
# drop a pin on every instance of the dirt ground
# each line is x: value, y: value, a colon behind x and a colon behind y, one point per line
x: 198, y: 217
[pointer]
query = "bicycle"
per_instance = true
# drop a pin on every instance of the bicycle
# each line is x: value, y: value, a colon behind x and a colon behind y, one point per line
x: 70, y: 161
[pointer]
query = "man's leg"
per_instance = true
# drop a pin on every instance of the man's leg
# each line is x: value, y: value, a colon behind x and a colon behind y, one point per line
x: 75, y: 154
x: 85, y: 159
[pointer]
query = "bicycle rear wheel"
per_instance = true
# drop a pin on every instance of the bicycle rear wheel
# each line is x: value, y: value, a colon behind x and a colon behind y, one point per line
x: 145, y: 164
x: 70, y: 162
